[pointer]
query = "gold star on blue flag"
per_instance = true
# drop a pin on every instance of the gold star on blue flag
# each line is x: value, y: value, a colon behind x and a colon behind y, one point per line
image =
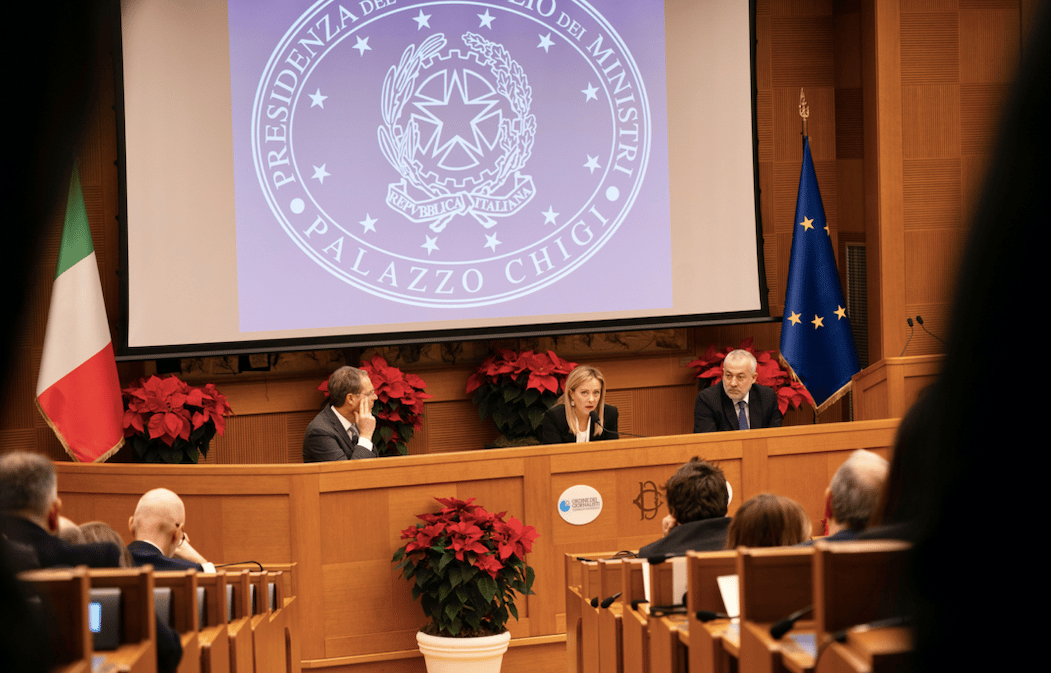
x: 822, y: 354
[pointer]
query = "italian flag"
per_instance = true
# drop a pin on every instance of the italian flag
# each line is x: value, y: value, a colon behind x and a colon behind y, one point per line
x: 77, y: 391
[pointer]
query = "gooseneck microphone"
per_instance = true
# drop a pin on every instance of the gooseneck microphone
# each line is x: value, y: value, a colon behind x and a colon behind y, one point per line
x: 785, y: 625
x: 606, y: 602
x: 708, y: 615
x: 912, y: 330
x: 615, y: 433
x: 919, y: 319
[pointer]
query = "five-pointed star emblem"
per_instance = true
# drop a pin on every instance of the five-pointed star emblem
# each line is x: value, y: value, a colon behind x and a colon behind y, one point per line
x: 369, y: 223
x: 362, y: 45
x: 320, y: 173
x: 430, y: 244
x: 545, y: 43
x: 316, y: 99
x: 487, y: 20
x: 590, y: 92
x: 794, y: 318
x: 491, y: 242
x: 818, y: 321
x: 592, y: 163
x: 807, y: 223
x: 840, y: 312
x: 549, y: 215
x: 422, y: 20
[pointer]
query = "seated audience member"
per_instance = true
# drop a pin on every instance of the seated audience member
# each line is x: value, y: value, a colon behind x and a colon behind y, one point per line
x: 572, y: 418
x: 29, y: 514
x: 855, y: 492
x: 29, y: 517
x: 697, y: 500
x: 738, y: 403
x: 160, y: 540
x: 100, y: 531
x: 343, y: 429
x: 768, y: 520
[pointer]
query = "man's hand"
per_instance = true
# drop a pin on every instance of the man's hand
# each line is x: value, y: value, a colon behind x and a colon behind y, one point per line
x: 366, y: 421
x: 668, y: 522
x: 187, y: 553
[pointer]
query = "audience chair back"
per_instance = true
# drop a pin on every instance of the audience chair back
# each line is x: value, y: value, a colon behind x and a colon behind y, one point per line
x: 856, y: 582
x: 774, y: 582
x: 66, y: 592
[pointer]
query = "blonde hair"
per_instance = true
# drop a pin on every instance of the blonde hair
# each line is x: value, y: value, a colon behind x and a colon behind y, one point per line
x: 580, y: 375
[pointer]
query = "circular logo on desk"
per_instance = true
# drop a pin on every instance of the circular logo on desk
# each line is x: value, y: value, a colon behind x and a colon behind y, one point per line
x: 579, y: 505
x: 437, y: 155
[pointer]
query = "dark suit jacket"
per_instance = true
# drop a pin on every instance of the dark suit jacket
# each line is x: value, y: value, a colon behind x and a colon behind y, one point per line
x: 144, y: 553
x: 326, y: 439
x: 554, y: 429
x: 714, y: 410
x: 52, y: 551
x: 702, y: 535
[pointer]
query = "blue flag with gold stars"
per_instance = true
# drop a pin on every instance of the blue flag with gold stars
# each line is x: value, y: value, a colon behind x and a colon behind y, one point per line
x: 815, y: 333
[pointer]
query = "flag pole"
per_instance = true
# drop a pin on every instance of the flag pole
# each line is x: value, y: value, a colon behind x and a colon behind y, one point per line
x: 804, y: 111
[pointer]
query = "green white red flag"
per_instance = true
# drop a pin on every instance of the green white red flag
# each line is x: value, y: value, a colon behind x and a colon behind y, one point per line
x: 78, y: 391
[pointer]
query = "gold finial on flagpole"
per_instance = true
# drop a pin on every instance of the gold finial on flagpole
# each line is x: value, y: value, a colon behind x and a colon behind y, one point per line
x: 804, y: 110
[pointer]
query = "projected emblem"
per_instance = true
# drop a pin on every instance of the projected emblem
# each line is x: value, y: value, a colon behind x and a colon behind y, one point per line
x: 452, y: 155
x: 457, y: 151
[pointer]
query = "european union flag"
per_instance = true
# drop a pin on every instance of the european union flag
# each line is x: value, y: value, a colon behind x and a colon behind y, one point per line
x: 815, y: 333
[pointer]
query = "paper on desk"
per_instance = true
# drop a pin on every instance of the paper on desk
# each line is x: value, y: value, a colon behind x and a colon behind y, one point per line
x: 728, y: 590
x: 678, y: 579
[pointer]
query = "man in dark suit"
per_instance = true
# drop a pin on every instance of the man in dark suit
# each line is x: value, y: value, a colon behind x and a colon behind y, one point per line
x: 697, y: 501
x: 343, y: 430
x: 160, y: 537
x: 29, y: 515
x: 739, y: 403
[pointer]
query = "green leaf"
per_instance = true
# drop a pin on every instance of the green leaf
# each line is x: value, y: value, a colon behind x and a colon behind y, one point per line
x: 511, y: 394
x: 530, y: 396
x: 514, y: 610
x: 487, y: 586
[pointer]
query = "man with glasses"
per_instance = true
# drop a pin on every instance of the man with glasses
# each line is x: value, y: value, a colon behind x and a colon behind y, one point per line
x: 343, y: 430
x: 739, y: 403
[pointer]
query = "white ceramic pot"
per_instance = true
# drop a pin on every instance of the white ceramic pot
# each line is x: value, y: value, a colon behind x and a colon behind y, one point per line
x: 463, y: 655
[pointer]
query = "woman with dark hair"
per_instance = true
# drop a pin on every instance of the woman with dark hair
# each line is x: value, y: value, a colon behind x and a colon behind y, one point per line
x: 768, y: 520
x: 571, y: 419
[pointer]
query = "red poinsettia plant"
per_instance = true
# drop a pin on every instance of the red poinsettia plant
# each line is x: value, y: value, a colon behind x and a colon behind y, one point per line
x: 769, y: 372
x: 169, y: 421
x: 465, y: 565
x: 399, y: 409
x: 516, y: 389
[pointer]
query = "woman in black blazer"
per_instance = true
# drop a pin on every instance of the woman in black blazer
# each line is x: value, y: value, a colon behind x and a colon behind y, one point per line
x: 581, y: 414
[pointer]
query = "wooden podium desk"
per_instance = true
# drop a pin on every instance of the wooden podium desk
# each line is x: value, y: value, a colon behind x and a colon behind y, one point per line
x: 340, y: 523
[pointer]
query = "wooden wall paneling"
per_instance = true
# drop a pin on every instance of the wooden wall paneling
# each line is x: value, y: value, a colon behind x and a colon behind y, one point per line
x: 454, y: 426
x: 884, y: 236
x: 538, y: 511
x: 256, y: 527
x: 980, y: 108
x: 305, y: 541
x: 259, y: 438
x: 990, y: 43
x: 930, y: 263
x: 803, y: 478
x: 930, y: 47
x: 801, y: 50
x: 931, y: 121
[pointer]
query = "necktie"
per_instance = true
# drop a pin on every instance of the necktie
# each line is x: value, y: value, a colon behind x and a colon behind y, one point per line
x: 742, y: 417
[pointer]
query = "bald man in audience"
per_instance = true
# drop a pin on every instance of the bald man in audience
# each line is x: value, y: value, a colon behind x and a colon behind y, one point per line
x: 30, y: 515
x: 160, y: 538
x: 697, y: 500
x: 854, y: 494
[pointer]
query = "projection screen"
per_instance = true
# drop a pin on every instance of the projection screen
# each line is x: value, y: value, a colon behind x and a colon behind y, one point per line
x: 299, y: 174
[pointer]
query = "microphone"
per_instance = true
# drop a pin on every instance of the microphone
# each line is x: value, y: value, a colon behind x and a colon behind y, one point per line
x: 594, y: 602
x: 609, y: 601
x: 594, y: 419
x: 708, y: 615
x: 785, y: 625
x: 912, y: 330
x: 663, y: 610
x: 919, y: 319
x: 261, y: 568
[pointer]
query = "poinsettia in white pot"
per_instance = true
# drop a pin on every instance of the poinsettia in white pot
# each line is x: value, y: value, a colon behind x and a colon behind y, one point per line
x: 465, y: 565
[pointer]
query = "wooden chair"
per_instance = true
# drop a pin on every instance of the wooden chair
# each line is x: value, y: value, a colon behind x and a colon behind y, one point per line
x: 708, y: 651
x: 583, y: 583
x: 635, y: 637
x: 856, y: 583
x: 668, y: 635
x: 183, y: 586
x: 137, y: 652
x: 239, y: 626
x: 213, y: 636
x: 774, y: 583
x: 67, y: 593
